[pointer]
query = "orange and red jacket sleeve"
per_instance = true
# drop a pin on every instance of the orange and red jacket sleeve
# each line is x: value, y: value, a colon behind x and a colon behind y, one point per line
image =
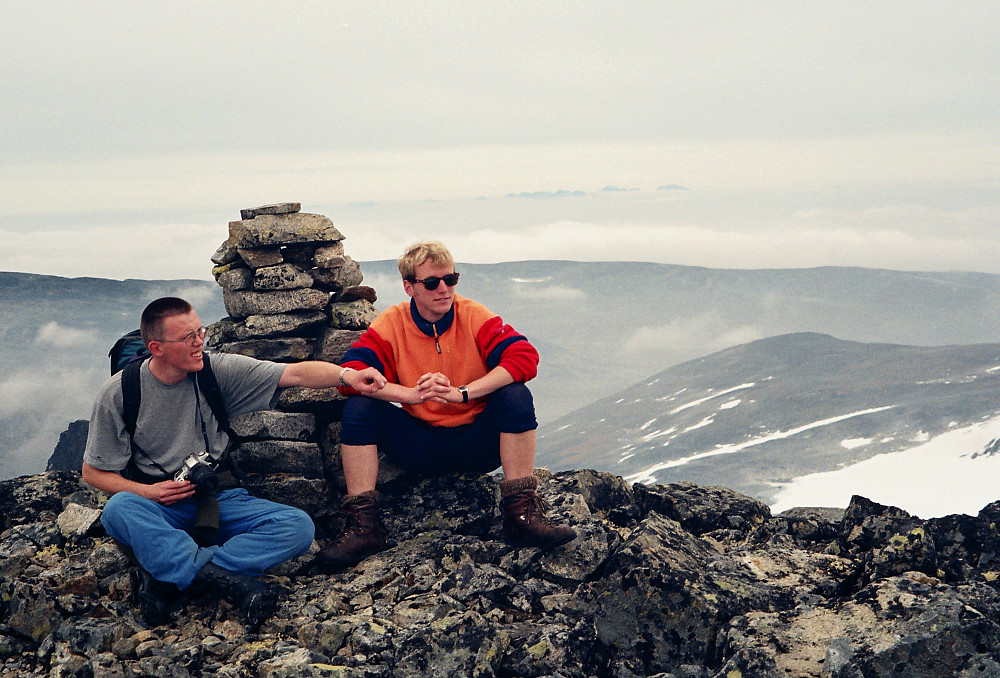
x: 500, y: 345
x: 370, y: 350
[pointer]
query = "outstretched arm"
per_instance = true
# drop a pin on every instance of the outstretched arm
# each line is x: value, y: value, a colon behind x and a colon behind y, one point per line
x: 321, y: 374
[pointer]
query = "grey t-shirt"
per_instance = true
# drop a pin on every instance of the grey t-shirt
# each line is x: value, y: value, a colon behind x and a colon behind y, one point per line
x: 169, y: 428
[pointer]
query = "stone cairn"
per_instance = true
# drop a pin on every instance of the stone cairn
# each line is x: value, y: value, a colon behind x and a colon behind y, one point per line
x: 291, y: 294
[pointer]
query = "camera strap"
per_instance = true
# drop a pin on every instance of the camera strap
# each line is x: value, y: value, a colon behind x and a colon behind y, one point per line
x: 201, y: 420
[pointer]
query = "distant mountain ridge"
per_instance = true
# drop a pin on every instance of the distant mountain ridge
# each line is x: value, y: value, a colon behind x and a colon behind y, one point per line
x: 599, y: 326
x: 54, y: 338
x: 759, y: 414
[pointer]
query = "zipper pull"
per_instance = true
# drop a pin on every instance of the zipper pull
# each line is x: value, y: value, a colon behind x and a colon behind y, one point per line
x: 437, y: 344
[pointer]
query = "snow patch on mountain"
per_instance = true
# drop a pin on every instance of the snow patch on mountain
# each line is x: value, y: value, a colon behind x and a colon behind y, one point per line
x: 699, y: 401
x: 913, y: 479
x: 648, y: 475
x: 854, y: 443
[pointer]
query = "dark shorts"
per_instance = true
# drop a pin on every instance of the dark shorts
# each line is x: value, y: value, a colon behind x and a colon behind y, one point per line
x: 432, y: 450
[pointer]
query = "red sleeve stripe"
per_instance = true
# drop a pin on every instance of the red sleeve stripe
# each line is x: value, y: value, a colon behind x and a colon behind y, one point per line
x: 370, y: 350
x: 502, y: 345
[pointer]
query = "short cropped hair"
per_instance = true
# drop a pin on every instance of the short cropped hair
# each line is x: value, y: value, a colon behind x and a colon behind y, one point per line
x: 151, y: 321
x: 422, y: 252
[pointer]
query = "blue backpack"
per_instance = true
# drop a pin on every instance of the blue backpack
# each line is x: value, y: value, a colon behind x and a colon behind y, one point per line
x: 128, y: 348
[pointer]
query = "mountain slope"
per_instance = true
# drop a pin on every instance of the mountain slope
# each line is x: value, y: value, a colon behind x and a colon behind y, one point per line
x: 765, y: 412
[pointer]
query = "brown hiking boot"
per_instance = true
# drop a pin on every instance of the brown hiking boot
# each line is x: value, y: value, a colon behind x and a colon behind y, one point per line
x: 524, y: 519
x: 362, y: 535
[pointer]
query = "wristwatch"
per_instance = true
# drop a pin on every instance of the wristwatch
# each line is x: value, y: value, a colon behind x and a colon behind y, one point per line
x: 342, y: 373
x: 464, y: 390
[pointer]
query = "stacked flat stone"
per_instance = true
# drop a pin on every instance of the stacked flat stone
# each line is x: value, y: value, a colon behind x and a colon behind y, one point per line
x: 292, y: 294
x: 290, y: 291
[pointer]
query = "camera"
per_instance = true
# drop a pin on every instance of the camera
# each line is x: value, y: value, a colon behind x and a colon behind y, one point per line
x: 199, y: 469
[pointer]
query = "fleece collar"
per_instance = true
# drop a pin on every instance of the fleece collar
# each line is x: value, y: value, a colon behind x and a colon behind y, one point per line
x: 428, y: 327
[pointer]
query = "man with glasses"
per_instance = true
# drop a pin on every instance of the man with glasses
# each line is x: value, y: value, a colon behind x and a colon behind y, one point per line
x: 153, y: 515
x: 458, y: 373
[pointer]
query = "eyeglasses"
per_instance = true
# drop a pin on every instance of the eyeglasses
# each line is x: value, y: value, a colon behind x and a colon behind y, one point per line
x: 432, y: 282
x: 190, y: 338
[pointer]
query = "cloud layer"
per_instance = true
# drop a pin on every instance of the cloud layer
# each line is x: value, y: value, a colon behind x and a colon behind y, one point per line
x: 693, y: 133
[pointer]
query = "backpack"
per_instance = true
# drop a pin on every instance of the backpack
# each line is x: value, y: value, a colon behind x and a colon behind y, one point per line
x: 127, y: 356
x: 129, y: 347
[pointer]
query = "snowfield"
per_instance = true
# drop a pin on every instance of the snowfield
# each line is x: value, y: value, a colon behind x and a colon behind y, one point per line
x: 955, y: 472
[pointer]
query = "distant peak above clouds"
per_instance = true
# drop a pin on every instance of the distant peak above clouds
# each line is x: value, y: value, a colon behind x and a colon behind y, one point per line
x: 546, y: 195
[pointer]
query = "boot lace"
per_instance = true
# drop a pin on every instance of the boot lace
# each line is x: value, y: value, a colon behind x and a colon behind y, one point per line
x: 351, y: 517
x: 536, y: 509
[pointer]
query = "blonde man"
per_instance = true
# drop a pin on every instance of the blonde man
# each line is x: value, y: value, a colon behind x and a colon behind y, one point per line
x: 458, y: 373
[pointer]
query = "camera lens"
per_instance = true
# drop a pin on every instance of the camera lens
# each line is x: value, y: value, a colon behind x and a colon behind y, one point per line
x: 204, y: 478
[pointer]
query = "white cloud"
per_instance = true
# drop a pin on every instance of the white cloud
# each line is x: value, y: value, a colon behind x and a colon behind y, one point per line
x: 33, y: 454
x: 700, y: 335
x: 549, y: 293
x: 196, y: 296
x: 144, y: 251
x: 36, y: 390
x: 389, y: 288
x: 846, y: 165
x: 382, y: 75
x: 50, y: 395
x: 172, y: 250
x: 53, y: 334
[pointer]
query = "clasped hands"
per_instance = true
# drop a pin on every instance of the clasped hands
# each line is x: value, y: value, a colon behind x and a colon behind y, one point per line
x: 436, y: 388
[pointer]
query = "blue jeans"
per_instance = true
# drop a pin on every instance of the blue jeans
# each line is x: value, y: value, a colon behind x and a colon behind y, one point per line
x: 423, y: 449
x: 254, y: 534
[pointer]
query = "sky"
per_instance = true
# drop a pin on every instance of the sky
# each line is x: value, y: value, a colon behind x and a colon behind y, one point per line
x: 719, y: 134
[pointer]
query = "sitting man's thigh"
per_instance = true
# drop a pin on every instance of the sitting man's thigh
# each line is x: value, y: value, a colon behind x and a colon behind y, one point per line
x: 433, y: 450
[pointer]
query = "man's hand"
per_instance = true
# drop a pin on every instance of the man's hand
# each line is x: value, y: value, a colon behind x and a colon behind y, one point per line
x: 165, y: 492
x: 321, y: 374
x: 436, y: 387
x: 169, y: 492
x: 367, y: 381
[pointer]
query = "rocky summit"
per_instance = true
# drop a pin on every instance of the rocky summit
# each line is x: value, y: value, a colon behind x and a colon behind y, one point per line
x: 674, y: 580
x: 663, y: 580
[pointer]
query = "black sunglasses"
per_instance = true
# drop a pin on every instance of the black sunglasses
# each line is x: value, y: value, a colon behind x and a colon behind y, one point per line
x: 432, y: 282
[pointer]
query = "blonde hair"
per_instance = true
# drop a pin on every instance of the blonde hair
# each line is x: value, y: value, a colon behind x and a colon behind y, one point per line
x: 421, y: 252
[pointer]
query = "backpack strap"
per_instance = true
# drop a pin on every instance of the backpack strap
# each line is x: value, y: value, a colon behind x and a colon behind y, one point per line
x: 209, y: 387
x: 131, y: 397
